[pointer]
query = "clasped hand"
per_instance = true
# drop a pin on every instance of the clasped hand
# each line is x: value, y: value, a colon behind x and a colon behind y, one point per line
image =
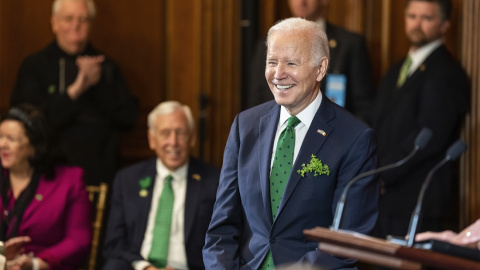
x: 89, y: 74
x: 15, y: 253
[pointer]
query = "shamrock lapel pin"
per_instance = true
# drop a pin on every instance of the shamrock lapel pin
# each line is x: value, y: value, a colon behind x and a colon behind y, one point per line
x: 316, y: 166
x: 144, y: 183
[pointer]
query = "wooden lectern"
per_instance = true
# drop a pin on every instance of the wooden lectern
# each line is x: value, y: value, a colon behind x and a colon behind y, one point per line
x: 380, y: 252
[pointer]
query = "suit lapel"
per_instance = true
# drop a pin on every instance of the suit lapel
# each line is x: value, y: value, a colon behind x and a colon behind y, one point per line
x: 45, y: 189
x: 144, y: 204
x: 192, y: 197
x: 427, y: 63
x: 311, y: 145
x: 414, y: 77
x: 267, y: 128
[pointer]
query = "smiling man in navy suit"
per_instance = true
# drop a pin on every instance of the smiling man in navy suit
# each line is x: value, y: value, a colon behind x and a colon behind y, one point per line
x: 138, y: 192
x: 255, y: 224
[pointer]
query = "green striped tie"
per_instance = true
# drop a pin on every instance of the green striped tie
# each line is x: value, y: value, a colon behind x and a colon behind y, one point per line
x: 282, y: 166
x: 163, y: 223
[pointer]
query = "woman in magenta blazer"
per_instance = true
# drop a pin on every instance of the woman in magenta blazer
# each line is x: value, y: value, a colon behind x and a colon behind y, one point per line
x: 44, y: 207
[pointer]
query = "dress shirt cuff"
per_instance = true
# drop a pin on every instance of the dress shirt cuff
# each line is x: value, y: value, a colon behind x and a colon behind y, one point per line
x: 140, y: 265
x: 35, y: 265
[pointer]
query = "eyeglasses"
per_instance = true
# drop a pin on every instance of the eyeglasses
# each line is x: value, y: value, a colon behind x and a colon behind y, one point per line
x: 72, y: 19
x: 164, y: 134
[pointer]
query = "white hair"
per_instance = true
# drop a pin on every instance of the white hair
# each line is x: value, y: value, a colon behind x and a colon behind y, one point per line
x: 318, y: 37
x: 92, y: 11
x: 168, y: 107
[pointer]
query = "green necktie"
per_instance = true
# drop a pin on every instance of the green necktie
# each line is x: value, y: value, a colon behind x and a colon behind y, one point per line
x: 163, y: 222
x: 404, y: 71
x: 282, y: 166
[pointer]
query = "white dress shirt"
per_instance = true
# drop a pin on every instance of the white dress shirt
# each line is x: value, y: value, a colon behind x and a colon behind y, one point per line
x: 418, y: 56
x: 177, y: 257
x: 306, y: 118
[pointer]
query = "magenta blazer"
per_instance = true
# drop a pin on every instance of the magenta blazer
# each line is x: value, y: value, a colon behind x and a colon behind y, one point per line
x: 58, y: 220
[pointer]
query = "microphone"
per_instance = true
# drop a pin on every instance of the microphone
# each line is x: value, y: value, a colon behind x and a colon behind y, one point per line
x: 453, y: 153
x: 420, y: 142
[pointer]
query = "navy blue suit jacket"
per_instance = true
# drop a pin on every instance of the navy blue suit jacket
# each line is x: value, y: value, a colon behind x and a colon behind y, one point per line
x: 129, y: 213
x: 242, y: 230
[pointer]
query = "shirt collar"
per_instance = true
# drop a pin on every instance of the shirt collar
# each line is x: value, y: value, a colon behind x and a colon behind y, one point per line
x: 306, y: 116
x: 419, y: 56
x: 321, y: 23
x: 178, y: 175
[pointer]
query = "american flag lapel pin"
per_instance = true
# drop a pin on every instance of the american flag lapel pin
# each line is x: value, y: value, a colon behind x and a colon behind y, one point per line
x: 322, y: 132
x: 197, y: 177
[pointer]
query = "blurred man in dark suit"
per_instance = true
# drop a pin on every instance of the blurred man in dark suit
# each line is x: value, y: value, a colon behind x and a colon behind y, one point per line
x: 428, y: 88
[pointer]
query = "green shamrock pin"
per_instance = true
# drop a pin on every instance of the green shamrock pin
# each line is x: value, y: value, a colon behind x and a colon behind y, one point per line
x: 145, y: 183
x: 315, y: 166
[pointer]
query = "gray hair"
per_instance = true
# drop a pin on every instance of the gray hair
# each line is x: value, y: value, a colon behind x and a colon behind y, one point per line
x: 319, y: 38
x: 168, y: 107
x: 92, y: 11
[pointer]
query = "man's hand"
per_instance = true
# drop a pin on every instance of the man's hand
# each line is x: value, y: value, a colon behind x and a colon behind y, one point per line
x: 14, y: 246
x: 89, y: 74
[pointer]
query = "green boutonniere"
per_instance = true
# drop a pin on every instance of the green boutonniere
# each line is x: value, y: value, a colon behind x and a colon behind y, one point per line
x: 315, y: 166
x: 145, y: 183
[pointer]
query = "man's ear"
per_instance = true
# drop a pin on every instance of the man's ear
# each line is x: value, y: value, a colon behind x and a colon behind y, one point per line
x: 445, y: 26
x: 53, y: 22
x: 193, y: 139
x: 322, y: 69
x: 151, y: 140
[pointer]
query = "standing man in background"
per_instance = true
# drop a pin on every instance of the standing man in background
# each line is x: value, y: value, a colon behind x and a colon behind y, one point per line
x: 426, y: 89
x: 82, y: 92
x: 287, y: 161
x: 350, y: 69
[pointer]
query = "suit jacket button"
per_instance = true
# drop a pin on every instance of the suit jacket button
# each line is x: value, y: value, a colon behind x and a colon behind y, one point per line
x: 272, y: 240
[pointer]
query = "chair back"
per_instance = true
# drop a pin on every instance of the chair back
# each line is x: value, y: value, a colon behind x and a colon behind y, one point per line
x: 98, y: 197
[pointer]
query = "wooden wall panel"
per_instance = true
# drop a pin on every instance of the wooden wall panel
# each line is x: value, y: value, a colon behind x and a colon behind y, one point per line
x: 24, y: 28
x: 133, y: 34
x: 203, y: 64
x: 470, y: 57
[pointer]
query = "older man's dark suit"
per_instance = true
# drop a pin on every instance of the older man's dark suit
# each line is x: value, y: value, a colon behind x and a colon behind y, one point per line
x: 242, y: 230
x: 434, y: 96
x: 129, y: 213
x: 348, y: 56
